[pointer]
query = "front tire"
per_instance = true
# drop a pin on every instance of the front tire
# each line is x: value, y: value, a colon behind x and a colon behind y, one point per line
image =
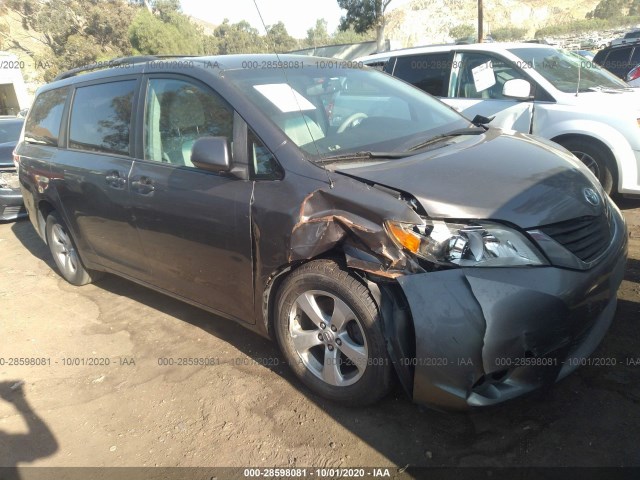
x: 597, y: 159
x: 328, y: 329
x: 65, y: 254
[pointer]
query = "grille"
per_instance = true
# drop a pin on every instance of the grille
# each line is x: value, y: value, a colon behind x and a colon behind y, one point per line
x: 586, y: 237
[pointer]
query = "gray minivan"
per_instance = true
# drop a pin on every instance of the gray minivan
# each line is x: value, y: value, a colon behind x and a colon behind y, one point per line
x: 374, y: 232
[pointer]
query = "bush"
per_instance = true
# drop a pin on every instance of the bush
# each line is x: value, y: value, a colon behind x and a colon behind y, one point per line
x: 586, y: 25
x: 505, y: 34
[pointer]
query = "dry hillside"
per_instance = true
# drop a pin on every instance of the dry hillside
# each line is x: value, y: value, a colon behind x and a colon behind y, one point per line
x: 429, y: 21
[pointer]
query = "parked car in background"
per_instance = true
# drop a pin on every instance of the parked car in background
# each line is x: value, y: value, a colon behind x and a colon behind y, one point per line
x: 536, y: 89
x: 11, y: 206
x: 619, y: 59
x: 629, y: 37
x: 366, y: 226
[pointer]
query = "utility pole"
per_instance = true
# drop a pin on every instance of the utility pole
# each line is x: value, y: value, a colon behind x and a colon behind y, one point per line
x: 480, y: 32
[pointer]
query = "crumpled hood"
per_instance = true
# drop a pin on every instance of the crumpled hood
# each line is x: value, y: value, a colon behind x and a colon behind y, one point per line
x: 510, y: 177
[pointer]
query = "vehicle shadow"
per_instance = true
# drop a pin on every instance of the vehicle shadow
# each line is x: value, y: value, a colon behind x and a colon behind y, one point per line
x: 38, y: 442
x: 624, y: 203
x: 632, y: 272
x: 26, y: 234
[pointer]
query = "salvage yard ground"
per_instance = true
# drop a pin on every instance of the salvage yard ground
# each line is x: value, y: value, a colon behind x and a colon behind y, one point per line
x: 104, y: 397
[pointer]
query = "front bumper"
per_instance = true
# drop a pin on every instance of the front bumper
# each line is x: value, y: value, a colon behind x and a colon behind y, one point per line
x: 11, y: 204
x: 487, y: 335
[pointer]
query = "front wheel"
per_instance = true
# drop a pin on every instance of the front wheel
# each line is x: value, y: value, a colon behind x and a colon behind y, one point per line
x: 328, y: 328
x: 596, y: 158
x: 65, y: 254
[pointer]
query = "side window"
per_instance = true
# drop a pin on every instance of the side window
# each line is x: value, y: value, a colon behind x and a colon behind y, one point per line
x: 177, y: 113
x: 427, y: 72
x: 101, y: 117
x: 263, y: 163
x: 43, y: 122
x: 482, y: 76
x: 618, y: 60
x: 635, y: 58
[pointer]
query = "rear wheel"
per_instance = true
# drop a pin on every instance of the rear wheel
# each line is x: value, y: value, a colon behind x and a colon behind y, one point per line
x: 328, y: 328
x: 65, y: 254
x: 596, y: 158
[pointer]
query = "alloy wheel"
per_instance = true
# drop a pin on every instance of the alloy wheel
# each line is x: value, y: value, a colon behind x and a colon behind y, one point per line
x: 328, y: 338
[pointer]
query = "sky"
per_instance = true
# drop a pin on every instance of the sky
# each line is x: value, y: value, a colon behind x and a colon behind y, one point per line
x: 297, y: 15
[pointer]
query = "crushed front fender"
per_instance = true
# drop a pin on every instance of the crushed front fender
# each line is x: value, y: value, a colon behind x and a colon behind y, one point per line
x: 486, y: 335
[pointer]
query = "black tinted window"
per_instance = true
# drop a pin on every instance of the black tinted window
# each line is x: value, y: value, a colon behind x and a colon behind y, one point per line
x: 43, y: 122
x: 101, y: 117
x: 617, y: 60
x: 428, y: 72
x: 177, y: 114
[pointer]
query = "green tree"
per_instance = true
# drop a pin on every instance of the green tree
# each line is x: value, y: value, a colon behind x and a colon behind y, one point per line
x: 318, y: 35
x: 166, y: 9
x: 150, y: 35
x: 607, y: 9
x: 74, y: 32
x: 279, y: 38
x: 107, y: 23
x: 238, y: 37
x: 364, y: 15
x: 462, y: 31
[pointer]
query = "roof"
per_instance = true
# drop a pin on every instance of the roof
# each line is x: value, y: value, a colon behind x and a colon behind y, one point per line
x: 139, y: 64
x: 481, y: 47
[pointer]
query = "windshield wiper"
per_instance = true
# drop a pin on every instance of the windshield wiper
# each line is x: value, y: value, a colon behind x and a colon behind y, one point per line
x: 365, y: 155
x: 453, y: 133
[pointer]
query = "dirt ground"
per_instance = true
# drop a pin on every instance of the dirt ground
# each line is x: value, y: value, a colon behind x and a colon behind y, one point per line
x: 246, y: 410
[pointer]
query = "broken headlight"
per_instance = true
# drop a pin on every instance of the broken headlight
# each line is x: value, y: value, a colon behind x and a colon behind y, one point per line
x: 482, y: 244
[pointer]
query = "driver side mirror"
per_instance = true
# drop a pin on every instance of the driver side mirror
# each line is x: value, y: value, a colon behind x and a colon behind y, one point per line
x: 211, y: 153
x: 517, y: 88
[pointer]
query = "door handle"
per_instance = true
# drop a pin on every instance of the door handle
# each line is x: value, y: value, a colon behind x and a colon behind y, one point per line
x: 143, y: 185
x: 115, y: 180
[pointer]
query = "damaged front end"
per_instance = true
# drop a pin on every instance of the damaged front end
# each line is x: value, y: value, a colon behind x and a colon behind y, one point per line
x: 463, y: 335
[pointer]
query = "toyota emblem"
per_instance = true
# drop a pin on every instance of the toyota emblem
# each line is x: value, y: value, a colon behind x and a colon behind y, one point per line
x: 591, y: 196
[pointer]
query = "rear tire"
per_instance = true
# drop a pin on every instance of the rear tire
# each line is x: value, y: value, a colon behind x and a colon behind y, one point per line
x: 597, y: 159
x: 65, y: 254
x: 328, y: 329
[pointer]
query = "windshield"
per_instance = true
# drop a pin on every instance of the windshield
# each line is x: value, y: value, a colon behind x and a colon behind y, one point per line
x: 10, y: 131
x: 563, y: 69
x: 337, y: 111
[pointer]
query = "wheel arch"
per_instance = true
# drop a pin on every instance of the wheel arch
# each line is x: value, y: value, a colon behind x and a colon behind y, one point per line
x: 277, y: 277
x: 611, y: 158
x: 44, y: 209
x: 397, y: 321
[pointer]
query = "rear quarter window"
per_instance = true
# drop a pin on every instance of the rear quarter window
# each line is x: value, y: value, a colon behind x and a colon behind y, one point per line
x: 428, y: 72
x: 45, y: 117
x: 101, y: 117
x: 618, y: 60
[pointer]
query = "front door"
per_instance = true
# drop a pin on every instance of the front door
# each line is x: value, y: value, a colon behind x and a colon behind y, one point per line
x: 194, y: 225
x: 476, y: 86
